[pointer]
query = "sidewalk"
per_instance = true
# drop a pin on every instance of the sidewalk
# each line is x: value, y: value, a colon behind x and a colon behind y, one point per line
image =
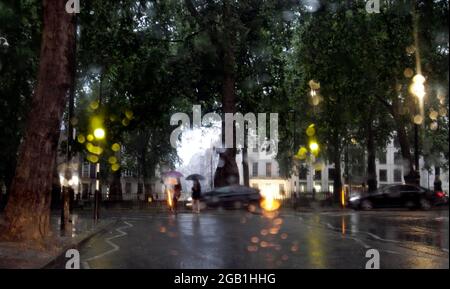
x: 23, y: 256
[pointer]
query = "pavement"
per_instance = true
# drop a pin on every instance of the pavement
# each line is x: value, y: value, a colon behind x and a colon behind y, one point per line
x: 234, y: 239
x: 25, y: 256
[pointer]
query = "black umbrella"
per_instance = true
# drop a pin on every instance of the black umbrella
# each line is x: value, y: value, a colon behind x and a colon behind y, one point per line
x: 194, y: 177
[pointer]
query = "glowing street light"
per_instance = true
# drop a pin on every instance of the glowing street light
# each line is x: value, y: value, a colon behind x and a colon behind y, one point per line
x: 99, y: 133
x: 314, y: 147
x: 417, y: 88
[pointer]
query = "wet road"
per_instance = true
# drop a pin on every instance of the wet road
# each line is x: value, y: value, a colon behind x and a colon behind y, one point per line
x: 235, y: 239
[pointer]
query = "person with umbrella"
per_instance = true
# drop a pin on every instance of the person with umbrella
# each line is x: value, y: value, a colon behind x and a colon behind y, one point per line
x: 173, y: 188
x: 196, y: 191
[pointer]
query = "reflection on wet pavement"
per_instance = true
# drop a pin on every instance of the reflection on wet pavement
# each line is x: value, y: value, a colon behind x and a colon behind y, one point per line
x: 239, y: 239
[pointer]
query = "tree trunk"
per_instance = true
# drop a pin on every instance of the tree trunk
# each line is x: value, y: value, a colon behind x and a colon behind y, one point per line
x: 337, y: 183
x: 115, y: 189
x: 411, y: 175
x: 371, y: 156
x: 27, y: 214
x: 227, y: 172
x: 245, y: 170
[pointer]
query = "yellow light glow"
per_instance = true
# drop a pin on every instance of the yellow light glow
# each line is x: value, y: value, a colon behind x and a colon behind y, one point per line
x: 81, y: 138
x: 129, y: 114
x: 94, y: 105
x: 301, y: 154
x: 112, y: 160
x: 115, y: 167
x: 314, y: 146
x: 269, y: 203
x: 169, y: 198
x: 99, y: 133
x: 343, y: 198
x: 125, y: 122
x: 92, y: 158
x: 314, y: 85
x: 115, y: 147
x: 419, y: 78
x: 90, y: 137
x: 311, y: 130
x: 417, y: 89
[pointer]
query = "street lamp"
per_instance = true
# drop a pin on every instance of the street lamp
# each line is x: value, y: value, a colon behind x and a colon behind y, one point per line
x: 417, y: 88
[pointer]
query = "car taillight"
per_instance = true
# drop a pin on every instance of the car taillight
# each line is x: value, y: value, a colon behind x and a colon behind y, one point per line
x: 440, y: 194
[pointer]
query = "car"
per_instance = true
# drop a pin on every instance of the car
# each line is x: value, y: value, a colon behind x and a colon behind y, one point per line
x: 235, y: 196
x: 392, y: 196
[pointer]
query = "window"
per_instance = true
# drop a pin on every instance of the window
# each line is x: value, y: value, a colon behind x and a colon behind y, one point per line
x: 398, y: 176
x: 383, y: 175
x: 397, y: 158
x: 140, y: 188
x: 255, y: 169
x: 330, y: 187
x: 382, y: 158
x: 128, y: 188
x: 317, y: 187
x: 303, y: 173
x: 93, y: 171
x: 281, y: 190
x: 85, y: 170
x: 268, y: 169
x: 318, y: 175
x: 331, y: 174
x: 302, y: 187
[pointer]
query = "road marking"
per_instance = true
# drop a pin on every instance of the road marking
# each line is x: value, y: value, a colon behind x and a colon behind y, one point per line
x: 381, y: 239
x: 108, y: 240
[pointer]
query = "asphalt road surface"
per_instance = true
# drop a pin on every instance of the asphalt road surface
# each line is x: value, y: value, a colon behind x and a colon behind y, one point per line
x: 238, y: 239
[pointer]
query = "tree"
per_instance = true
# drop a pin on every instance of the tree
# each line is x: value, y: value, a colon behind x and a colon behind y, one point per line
x: 18, y: 66
x: 27, y: 214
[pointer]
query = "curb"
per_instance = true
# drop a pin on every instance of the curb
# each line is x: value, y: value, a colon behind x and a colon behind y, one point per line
x: 77, y: 243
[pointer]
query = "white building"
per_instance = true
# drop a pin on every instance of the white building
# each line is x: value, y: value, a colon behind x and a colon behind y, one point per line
x: 264, y: 174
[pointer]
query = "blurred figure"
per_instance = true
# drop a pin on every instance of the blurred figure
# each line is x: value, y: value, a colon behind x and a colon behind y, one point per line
x: 176, y: 196
x: 196, y: 193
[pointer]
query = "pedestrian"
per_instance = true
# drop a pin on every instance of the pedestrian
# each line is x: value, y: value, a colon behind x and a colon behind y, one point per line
x: 176, y: 196
x: 196, y: 193
x: 314, y: 194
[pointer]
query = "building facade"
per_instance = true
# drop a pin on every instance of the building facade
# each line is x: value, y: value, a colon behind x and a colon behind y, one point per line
x: 264, y: 174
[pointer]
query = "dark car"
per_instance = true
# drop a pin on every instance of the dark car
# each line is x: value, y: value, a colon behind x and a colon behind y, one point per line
x: 235, y: 196
x: 392, y: 196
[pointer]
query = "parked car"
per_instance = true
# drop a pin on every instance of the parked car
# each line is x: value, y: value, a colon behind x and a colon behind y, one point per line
x: 392, y: 196
x: 235, y: 196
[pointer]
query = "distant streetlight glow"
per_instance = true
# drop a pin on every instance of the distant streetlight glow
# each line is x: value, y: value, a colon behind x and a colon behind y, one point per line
x: 417, y: 88
x: 314, y: 146
x: 99, y: 133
